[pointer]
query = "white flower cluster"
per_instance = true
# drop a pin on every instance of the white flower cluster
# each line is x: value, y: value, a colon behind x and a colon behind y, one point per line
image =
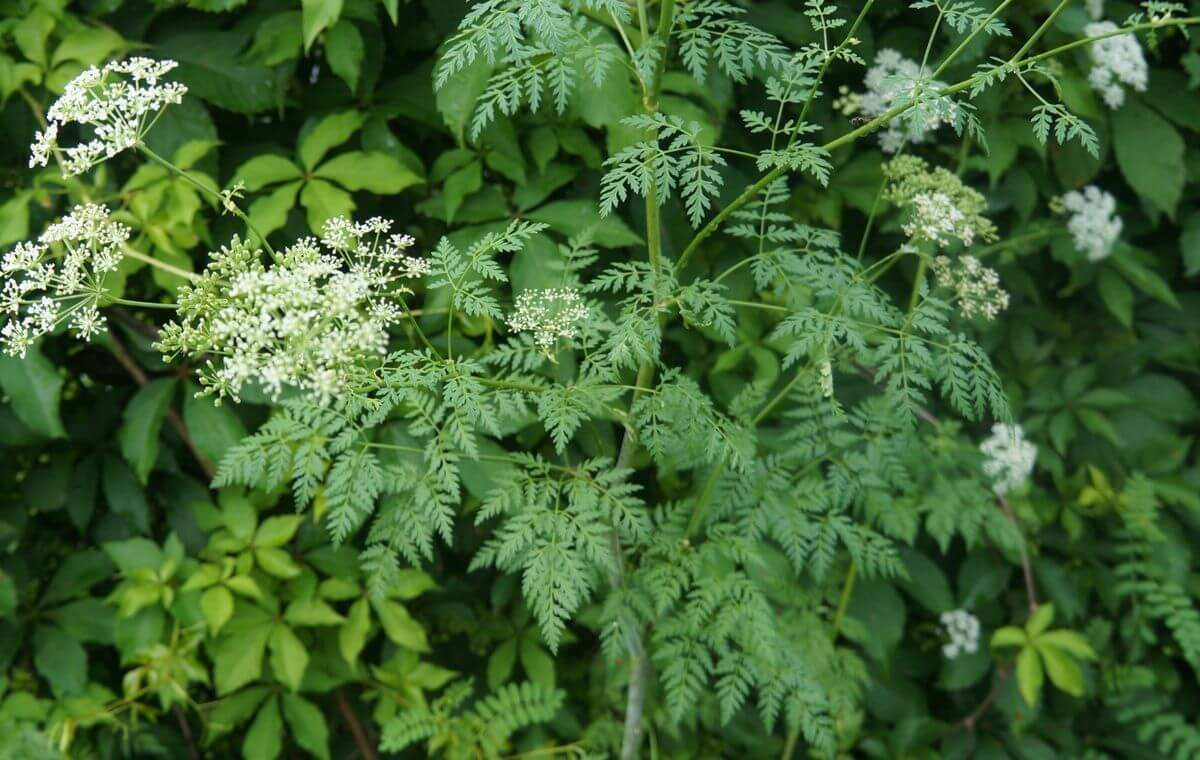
x: 1094, y: 224
x: 1116, y: 61
x: 548, y: 313
x: 116, y: 102
x: 60, y: 278
x: 313, y: 320
x: 962, y: 632
x: 935, y: 218
x: 894, y: 80
x: 1008, y: 457
x: 976, y: 287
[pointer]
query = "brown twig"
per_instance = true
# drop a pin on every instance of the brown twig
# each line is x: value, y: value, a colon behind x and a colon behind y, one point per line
x: 126, y: 360
x: 186, y: 729
x: 366, y: 747
x: 969, y: 721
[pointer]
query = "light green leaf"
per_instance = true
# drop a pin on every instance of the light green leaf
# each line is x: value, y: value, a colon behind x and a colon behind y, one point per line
x: 276, y: 562
x: 233, y: 710
x: 1069, y: 641
x: 1009, y: 636
x: 374, y: 171
x: 318, y: 16
x: 264, y: 740
x: 1040, y: 620
x: 312, y: 612
x: 237, y: 657
x: 134, y: 554
x: 33, y: 387
x: 400, y: 626
x: 1029, y: 675
x: 143, y: 419
x: 90, y: 45
x: 1064, y: 672
x: 245, y: 586
x: 267, y: 169
x: 270, y: 212
x: 344, y: 51
x: 308, y: 725
x: 289, y: 658
x: 327, y: 134
x: 217, y: 605
x: 324, y: 201
x: 277, y: 531
x: 352, y: 636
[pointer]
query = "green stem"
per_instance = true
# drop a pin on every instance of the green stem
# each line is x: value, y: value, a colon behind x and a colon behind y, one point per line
x: 918, y: 281
x: 212, y: 192
x: 970, y: 37
x: 145, y: 304
x: 133, y: 253
x: 1037, y: 35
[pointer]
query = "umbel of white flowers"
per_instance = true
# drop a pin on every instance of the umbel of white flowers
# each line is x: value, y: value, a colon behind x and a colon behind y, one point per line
x: 1116, y: 61
x: 548, y: 313
x: 962, y: 633
x: 1094, y: 224
x: 1008, y: 457
x: 315, y: 319
x: 892, y: 81
x: 59, y: 279
x: 976, y: 288
x: 117, y: 103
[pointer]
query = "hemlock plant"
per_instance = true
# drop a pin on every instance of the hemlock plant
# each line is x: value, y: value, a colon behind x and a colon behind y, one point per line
x: 657, y: 428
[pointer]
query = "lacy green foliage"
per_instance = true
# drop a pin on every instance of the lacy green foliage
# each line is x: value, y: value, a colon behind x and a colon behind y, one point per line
x: 737, y: 482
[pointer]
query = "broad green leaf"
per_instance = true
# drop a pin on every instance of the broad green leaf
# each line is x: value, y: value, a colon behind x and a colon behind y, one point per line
x: 60, y: 659
x: 34, y: 388
x: 1142, y: 277
x: 91, y: 45
x: 14, y: 218
x: 538, y: 664
x: 289, y: 657
x: 238, y: 655
x: 1029, y: 675
x: 375, y: 171
x: 1069, y: 641
x: 1009, y: 636
x: 1150, y: 153
x: 269, y: 212
x: 318, y: 16
x: 213, y: 68
x: 266, y: 169
x: 245, y: 586
x: 344, y: 51
x: 1040, y: 620
x: 312, y: 612
x: 264, y: 740
x: 143, y: 418
x: 276, y: 562
x: 235, y: 709
x: 81, y: 570
x: 214, y: 429
x: 353, y: 634
x: 400, y: 626
x: 217, y: 604
x: 308, y: 725
x: 1116, y: 295
x: 125, y: 495
x: 500, y: 663
x: 277, y: 531
x: 1064, y: 672
x: 323, y: 201
x: 89, y: 620
x: 326, y: 134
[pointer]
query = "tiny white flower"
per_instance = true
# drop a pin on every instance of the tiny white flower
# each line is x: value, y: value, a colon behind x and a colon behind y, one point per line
x: 1094, y: 224
x: 961, y: 629
x: 1008, y: 457
x: 1116, y: 61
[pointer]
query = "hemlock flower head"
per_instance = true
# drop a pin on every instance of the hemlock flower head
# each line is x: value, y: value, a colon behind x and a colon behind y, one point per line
x: 316, y: 319
x: 1094, y: 224
x: 1116, y: 61
x: 548, y: 313
x: 976, y: 287
x: 894, y: 80
x: 941, y: 209
x: 119, y: 103
x: 962, y: 630
x: 1008, y: 457
x: 60, y: 279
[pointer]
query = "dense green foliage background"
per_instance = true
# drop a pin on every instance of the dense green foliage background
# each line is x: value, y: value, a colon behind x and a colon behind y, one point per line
x: 146, y: 613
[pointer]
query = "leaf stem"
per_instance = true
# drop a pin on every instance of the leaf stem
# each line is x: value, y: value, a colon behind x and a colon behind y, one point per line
x: 133, y: 253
